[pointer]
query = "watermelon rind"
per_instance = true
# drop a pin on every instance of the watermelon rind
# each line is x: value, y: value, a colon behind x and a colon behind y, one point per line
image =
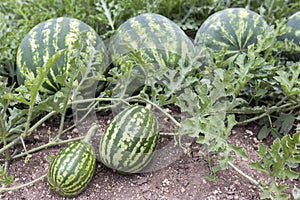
x: 232, y: 29
x: 292, y: 34
x: 129, y: 141
x: 47, y: 38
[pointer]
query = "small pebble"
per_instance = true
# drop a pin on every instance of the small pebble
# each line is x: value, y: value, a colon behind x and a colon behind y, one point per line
x: 36, y: 137
x: 75, y: 130
x: 249, y: 132
x: 183, y: 190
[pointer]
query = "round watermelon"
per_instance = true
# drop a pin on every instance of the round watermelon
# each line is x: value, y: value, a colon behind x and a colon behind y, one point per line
x: 48, y: 38
x: 233, y: 29
x: 150, y: 42
x: 292, y: 34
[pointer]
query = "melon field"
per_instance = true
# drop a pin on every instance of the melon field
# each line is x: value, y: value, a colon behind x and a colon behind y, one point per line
x: 158, y: 99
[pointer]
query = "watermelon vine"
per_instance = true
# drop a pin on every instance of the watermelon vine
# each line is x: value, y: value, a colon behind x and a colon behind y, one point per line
x: 215, y: 89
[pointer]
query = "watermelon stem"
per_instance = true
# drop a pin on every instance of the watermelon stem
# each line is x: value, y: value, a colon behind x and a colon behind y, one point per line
x: 91, y: 132
x: 250, y: 179
x: 17, y: 140
x: 3, y: 136
x: 22, y: 185
x: 162, y: 110
x: 50, y: 144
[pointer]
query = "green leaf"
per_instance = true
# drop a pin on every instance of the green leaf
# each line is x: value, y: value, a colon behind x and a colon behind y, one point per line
x: 275, y: 133
x: 239, y: 151
x: 5, y: 180
x: 290, y: 80
x: 257, y: 166
x: 262, y: 151
x: 55, y: 102
x: 275, y: 191
x: 263, y: 132
x: 275, y: 163
x: 34, y: 85
x: 261, y: 92
x: 16, y: 97
x: 210, y: 177
x: 189, y: 105
x: 284, y: 123
x: 289, y: 173
x: 219, y: 167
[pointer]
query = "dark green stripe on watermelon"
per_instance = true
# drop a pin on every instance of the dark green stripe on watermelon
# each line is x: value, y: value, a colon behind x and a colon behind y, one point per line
x: 72, y: 169
x: 46, y: 39
x: 129, y: 140
x: 233, y: 28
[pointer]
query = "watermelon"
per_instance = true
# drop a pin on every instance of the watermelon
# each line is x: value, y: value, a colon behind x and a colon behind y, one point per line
x: 233, y: 29
x: 157, y: 40
x: 47, y: 38
x: 129, y: 141
x: 292, y: 34
x: 73, y: 167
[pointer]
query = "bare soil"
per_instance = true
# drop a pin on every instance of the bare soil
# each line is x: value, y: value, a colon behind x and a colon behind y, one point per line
x: 183, y: 179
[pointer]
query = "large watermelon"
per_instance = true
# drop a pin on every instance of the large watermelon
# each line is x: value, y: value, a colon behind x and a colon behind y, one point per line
x: 47, y: 38
x: 292, y: 34
x: 129, y: 141
x: 159, y: 38
x: 232, y: 28
x: 156, y: 40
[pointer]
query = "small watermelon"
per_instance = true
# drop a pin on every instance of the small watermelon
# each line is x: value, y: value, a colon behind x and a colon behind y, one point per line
x: 47, y: 38
x: 130, y: 140
x: 73, y: 167
x: 292, y: 34
x: 232, y: 28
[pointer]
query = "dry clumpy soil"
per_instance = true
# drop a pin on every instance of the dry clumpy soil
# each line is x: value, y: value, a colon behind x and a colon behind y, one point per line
x: 183, y: 178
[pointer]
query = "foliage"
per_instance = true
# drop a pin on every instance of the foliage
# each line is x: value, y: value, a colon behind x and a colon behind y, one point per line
x: 12, y: 119
x: 275, y: 162
x: 4, y: 178
x: 213, y: 93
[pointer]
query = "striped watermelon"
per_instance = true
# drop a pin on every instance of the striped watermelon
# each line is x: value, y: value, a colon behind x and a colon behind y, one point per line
x: 47, y: 38
x: 73, y: 167
x: 232, y: 28
x: 157, y: 40
x: 129, y: 141
x: 292, y: 34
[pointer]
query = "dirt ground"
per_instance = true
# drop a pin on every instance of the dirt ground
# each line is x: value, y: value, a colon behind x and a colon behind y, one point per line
x: 182, y: 179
